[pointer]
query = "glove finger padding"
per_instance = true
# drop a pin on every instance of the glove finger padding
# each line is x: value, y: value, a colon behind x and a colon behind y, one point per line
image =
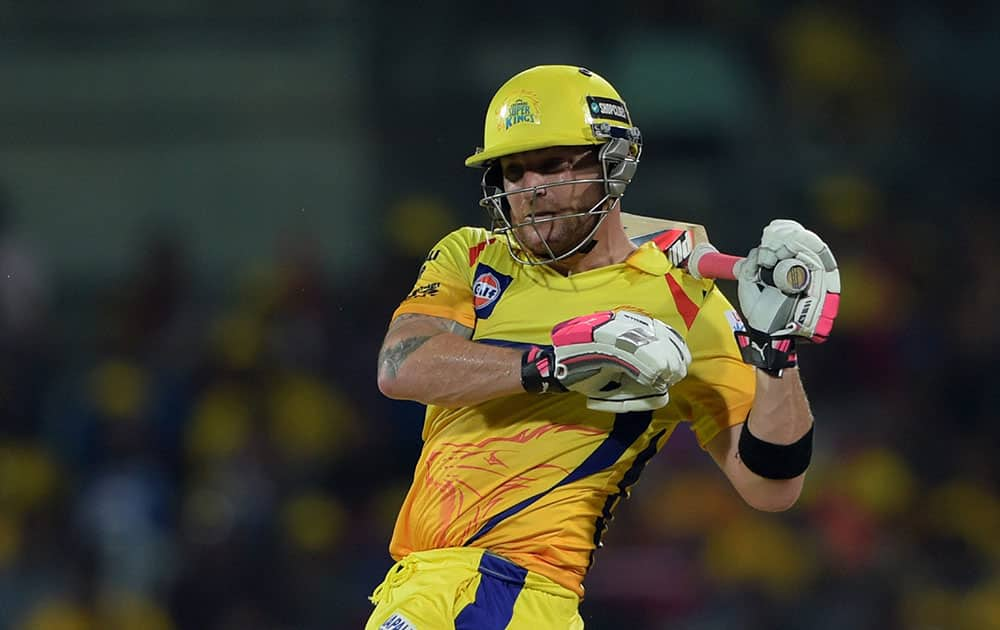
x: 581, y: 363
x: 783, y: 239
x: 594, y: 352
x: 809, y: 314
x: 658, y: 350
x: 816, y: 308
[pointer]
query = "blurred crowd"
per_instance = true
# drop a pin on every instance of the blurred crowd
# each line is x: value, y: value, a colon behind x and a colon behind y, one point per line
x: 182, y: 456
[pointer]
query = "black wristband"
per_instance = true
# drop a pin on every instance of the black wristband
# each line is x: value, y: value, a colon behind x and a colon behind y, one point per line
x: 775, y: 461
x: 537, y: 367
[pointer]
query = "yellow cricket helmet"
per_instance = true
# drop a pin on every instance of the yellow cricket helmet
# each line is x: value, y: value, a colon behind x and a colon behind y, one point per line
x: 548, y: 106
x: 552, y: 106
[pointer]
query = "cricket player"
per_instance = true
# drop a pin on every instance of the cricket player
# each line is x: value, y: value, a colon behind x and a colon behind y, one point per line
x: 555, y: 358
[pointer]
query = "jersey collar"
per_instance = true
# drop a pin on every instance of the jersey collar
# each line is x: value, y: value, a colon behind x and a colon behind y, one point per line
x: 649, y: 259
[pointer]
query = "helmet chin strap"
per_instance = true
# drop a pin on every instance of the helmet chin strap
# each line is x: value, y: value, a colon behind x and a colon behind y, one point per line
x: 589, y: 247
x: 591, y: 243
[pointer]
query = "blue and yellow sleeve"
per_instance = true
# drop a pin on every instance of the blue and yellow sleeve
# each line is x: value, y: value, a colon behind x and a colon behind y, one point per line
x: 444, y: 284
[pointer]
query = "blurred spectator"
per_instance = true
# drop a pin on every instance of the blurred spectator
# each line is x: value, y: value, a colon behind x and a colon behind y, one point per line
x: 26, y: 338
x: 24, y: 284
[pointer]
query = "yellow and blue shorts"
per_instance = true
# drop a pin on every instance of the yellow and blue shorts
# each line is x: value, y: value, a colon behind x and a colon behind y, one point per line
x: 470, y: 589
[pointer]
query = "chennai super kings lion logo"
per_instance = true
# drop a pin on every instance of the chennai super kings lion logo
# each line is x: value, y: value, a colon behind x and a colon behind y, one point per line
x: 497, y: 469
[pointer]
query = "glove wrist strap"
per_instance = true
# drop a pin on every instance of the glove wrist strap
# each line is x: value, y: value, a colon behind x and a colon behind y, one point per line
x: 770, y: 354
x: 537, y: 366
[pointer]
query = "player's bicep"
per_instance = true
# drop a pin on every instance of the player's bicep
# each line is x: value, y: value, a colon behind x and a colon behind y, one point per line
x: 407, y: 325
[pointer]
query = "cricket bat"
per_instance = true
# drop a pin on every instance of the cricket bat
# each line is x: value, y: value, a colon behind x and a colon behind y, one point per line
x: 685, y: 242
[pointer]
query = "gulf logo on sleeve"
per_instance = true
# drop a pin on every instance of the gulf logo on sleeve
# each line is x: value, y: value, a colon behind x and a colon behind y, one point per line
x: 488, y: 286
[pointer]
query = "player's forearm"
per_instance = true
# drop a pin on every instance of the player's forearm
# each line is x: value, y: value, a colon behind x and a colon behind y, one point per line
x: 447, y: 370
x: 780, y: 416
x: 780, y: 413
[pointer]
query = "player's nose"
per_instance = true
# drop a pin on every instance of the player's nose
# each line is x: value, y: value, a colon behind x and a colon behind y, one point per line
x: 532, y: 179
x: 533, y: 186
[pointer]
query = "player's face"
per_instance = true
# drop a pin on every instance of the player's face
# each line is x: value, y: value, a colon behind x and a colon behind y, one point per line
x: 541, y: 205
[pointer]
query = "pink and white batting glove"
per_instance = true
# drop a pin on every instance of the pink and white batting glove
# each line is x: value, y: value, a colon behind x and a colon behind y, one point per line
x: 774, y: 318
x: 621, y: 360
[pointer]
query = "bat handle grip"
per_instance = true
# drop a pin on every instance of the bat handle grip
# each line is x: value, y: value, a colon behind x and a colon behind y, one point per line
x: 790, y: 276
x: 706, y: 262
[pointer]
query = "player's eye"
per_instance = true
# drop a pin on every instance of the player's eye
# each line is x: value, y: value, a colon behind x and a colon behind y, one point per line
x: 513, y: 172
x: 585, y: 161
x: 555, y: 165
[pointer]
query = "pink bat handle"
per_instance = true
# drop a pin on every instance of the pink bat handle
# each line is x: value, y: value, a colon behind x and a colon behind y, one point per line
x: 789, y: 275
x: 718, y: 265
x: 704, y: 261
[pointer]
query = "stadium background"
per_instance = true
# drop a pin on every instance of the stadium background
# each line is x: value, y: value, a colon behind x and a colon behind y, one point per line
x: 211, y: 209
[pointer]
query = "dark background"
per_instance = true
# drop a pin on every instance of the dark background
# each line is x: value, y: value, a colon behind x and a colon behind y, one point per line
x: 211, y: 209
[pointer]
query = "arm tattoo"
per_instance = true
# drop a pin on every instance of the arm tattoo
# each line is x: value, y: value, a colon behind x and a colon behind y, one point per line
x: 391, y: 359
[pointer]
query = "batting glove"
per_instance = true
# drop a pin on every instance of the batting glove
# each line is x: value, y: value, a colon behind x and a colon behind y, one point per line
x: 620, y: 360
x: 775, y: 318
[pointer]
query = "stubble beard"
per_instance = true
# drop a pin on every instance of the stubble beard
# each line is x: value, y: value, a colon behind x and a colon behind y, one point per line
x: 560, y: 235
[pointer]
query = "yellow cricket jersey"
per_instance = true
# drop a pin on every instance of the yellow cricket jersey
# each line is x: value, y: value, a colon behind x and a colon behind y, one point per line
x: 535, y: 477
